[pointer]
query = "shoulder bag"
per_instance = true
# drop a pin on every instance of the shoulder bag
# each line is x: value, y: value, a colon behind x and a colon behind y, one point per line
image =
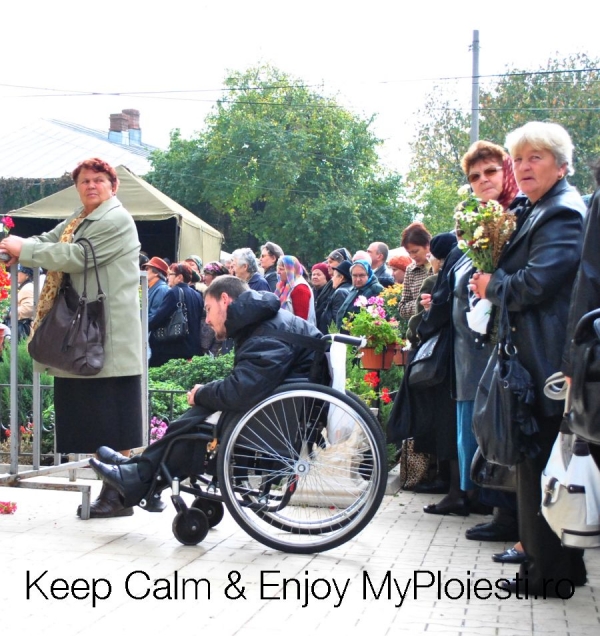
x: 571, y: 493
x: 583, y: 409
x: 503, y: 421
x: 177, y: 327
x: 494, y: 476
x: 71, y: 335
x: 431, y: 362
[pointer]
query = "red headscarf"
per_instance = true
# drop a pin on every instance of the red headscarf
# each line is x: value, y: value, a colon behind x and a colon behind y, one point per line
x: 509, y: 184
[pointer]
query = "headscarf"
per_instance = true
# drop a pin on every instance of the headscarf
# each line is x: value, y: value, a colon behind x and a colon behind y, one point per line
x: 214, y: 268
x: 509, y: 184
x: 368, y: 269
x: 293, y: 270
x: 196, y: 260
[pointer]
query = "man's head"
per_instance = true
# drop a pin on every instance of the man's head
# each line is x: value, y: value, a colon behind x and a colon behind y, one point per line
x: 362, y: 255
x: 218, y: 296
x: 378, y: 252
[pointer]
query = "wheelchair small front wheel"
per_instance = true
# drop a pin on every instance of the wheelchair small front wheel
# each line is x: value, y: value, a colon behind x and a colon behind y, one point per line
x: 214, y: 510
x: 190, y: 526
x: 305, y: 470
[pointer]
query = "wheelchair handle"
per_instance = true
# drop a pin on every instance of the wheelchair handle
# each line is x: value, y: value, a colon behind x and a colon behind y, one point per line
x: 349, y: 340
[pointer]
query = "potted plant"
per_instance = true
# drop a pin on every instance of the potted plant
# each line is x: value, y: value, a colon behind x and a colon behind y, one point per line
x: 391, y: 304
x: 381, y: 333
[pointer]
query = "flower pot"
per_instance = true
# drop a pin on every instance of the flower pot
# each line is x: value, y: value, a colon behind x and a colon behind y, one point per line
x: 377, y: 361
x: 400, y: 357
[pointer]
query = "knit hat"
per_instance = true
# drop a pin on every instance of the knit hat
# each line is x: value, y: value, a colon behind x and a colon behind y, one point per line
x: 400, y: 262
x: 196, y: 260
x: 442, y: 244
x: 323, y: 268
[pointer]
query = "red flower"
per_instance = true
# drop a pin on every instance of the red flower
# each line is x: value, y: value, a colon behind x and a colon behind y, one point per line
x: 371, y: 378
x: 385, y: 395
x: 7, y: 222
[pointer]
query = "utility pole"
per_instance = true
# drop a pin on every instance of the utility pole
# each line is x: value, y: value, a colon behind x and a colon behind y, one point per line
x: 475, y: 93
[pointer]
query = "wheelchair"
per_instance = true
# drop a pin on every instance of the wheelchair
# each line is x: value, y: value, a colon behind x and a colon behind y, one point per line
x: 302, y: 472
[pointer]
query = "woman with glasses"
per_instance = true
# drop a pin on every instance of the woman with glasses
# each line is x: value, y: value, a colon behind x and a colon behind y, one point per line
x: 178, y: 279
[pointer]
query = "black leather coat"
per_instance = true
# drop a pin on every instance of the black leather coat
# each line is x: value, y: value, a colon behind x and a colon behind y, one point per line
x: 262, y: 361
x: 535, y: 274
x: 586, y: 295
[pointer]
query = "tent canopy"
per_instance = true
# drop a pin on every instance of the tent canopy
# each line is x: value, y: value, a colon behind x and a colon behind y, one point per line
x: 166, y: 229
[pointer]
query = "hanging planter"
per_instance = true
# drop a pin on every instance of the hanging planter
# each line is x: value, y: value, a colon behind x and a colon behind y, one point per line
x: 400, y: 357
x: 377, y: 361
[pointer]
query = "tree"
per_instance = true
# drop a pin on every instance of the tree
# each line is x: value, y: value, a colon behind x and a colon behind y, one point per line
x: 564, y: 91
x: 278, y: 161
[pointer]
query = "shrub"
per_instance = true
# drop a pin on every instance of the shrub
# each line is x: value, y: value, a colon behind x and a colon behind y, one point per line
x: 198, y: 370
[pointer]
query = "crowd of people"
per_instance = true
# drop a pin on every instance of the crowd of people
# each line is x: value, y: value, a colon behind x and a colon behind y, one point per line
x: 538, y: 269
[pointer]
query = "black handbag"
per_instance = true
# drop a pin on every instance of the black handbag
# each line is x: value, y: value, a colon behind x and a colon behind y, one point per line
x: 584, y: 408
x: 503, y: 422
x: 177, y: 327
x: 494, y: 476
x: 71, y: 335
x: 431, y: 362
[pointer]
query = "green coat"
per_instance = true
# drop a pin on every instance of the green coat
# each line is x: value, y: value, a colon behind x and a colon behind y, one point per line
x: 112, y: 232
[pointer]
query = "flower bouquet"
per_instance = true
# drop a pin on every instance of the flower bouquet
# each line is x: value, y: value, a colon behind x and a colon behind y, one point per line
x: 483, y: 229
x: 391, y: 305
x: 372, y: 323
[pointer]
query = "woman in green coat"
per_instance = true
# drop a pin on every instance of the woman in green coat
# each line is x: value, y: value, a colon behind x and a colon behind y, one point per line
x: 104, y: 409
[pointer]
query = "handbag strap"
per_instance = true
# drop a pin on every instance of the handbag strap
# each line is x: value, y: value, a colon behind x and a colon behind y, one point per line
x: 101, y: 295
x: 504, y: 328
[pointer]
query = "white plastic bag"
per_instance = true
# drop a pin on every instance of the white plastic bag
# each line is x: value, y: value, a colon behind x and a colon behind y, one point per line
x: 339, y: 424
x: 478, y: 316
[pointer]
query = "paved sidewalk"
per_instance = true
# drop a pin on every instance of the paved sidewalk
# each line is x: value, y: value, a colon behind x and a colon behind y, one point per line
x: 131, y: 576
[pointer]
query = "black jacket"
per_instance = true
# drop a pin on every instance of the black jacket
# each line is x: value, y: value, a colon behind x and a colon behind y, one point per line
x: 535, y: 275
x: 188, y: 347
x: 384, y: 275
x: 586, y: 294
x: 270, y: 276
x: 262, y: 361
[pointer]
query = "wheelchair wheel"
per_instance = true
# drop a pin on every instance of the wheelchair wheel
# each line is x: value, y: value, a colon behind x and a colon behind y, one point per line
x: 214, y: 510
x: 190, y: 526
x: 305, y: 470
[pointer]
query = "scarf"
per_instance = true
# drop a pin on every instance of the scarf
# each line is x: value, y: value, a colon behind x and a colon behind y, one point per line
x: 293, y: 269
x: 54, y: 279
x: 509, y: 184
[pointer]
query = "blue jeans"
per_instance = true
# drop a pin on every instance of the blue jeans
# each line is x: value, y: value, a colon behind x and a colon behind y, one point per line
x: 466, y: 442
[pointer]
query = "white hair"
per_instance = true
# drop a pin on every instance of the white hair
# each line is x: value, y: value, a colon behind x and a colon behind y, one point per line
x: 245, y: 256
x: 543, y: 135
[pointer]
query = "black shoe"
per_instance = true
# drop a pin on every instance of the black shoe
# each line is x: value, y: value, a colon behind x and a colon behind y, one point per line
x: 493, y: 531
x: 434, y: 487
x: 124, y: 478
x: 459, y: 507
x: 110, y: 456
x: 510, y: 556
x: 108, y: 505
x: 153, y: 503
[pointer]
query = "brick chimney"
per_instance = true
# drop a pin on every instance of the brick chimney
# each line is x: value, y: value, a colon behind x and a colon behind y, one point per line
x: 135, y: 133
x: 125, y: 127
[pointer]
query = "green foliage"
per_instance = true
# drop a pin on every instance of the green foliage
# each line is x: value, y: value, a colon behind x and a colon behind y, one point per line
x: 280, y: 162
x: 186, y: 373
x: 24, y: 376
x: 15, y: 193
x: 168, y: 400
x: 443, y: 136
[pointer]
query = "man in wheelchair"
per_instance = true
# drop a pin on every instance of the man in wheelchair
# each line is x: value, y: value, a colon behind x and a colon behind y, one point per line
x: 263, y: 360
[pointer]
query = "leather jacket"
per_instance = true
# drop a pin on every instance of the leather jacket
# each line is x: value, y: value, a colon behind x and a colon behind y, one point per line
x: 535, y: 277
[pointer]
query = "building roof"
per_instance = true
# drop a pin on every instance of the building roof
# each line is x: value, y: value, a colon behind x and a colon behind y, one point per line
x: 49, y: 148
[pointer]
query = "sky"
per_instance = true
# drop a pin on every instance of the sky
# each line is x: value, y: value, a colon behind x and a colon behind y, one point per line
x: 80, y: 62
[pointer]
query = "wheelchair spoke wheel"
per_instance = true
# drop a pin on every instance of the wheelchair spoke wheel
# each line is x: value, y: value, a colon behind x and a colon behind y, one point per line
x: 190, y: 526
x: 214, y: 510
x: 305, y: 470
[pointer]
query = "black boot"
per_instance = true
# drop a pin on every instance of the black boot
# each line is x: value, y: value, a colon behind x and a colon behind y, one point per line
x: 502, y: 527
x: 108, y: 504
x: 124, y: 478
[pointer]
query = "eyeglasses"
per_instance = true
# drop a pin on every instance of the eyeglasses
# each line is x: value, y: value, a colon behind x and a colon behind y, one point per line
x: 488, y: 172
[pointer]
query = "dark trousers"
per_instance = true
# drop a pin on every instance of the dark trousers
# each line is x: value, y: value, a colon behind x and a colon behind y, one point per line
x: 547, y: 558
x: 185, y: 457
